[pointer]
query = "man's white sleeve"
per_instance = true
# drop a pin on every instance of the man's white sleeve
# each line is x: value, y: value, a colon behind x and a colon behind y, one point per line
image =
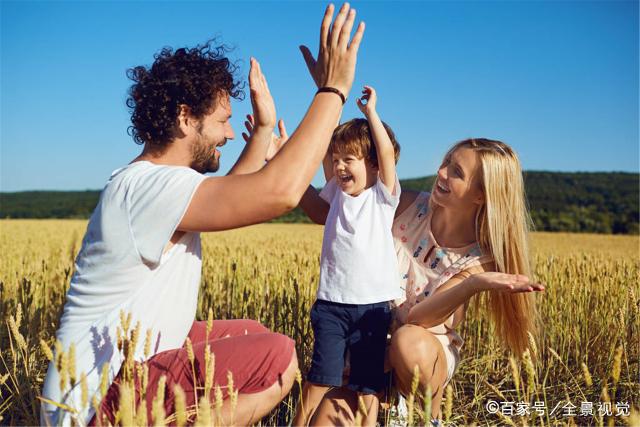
x: 159, y: 200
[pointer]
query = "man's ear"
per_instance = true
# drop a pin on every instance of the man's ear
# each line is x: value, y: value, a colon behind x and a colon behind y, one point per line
x: 184, y: 117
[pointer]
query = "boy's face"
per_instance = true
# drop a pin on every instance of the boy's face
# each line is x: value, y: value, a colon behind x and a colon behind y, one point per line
x: 353, y: 174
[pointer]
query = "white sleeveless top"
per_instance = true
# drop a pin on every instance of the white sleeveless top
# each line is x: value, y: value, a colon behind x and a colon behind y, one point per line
x: 123, y: 266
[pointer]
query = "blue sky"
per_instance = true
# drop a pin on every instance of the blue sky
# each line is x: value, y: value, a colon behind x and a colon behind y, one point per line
x: 556, y: 80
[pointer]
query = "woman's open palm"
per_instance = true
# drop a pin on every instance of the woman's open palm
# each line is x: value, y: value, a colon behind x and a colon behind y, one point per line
x: 504, y: 282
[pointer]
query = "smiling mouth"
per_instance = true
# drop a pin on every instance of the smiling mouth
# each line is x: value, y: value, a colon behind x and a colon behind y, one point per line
x: 442, y: 188
x: 344, y: 179
x: 217, y: 146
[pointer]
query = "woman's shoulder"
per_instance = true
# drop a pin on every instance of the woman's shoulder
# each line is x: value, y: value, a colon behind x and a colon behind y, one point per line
x: 411, y: 200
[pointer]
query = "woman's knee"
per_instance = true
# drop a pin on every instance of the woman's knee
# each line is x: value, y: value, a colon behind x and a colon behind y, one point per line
x: 409, y: 346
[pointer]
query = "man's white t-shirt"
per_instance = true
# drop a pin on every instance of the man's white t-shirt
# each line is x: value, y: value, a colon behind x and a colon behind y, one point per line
x: 122, y: 265
x: 358, y: 263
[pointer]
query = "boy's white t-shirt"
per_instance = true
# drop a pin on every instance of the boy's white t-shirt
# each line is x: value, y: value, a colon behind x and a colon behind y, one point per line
x: 121, y: 266
x: 358, y: 263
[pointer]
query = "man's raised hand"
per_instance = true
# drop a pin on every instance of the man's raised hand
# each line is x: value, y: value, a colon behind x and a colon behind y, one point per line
x: 264, y: 109
x: 336, y: 61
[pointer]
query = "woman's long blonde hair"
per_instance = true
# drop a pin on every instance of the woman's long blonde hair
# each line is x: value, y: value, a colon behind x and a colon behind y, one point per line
x: 502, y: 228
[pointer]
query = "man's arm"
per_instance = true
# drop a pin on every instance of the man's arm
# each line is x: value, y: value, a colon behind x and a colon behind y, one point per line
x: 234, y: 201
x: 312, y: 65
x: 261, y: 123
x: 384, y: 147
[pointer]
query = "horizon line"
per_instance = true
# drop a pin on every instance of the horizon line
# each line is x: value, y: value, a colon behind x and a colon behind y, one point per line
x: 401, y: 179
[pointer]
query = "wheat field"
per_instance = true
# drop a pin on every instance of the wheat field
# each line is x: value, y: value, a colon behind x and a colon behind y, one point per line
x: 588, y: 354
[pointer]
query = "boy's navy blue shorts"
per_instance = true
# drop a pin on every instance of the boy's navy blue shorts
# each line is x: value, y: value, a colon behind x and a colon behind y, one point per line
x: 361, y: 329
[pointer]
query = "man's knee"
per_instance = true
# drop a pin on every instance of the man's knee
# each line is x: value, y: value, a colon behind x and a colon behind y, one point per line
x: 289, y: 375
x: 279, y: 354
x: 280, y: 380
x: 254, y: 327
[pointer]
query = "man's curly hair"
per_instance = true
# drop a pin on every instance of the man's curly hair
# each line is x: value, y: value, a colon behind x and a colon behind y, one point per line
x: 195, y: 77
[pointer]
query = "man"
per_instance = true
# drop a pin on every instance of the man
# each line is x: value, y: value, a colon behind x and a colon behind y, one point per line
x: 141, y: 251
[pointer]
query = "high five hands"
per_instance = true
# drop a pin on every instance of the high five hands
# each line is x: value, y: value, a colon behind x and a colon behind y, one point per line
x: 335, y: 63
x: 334, y: 67
x: 276, y: 142
x: 261, y: 123
x: 264, y: 109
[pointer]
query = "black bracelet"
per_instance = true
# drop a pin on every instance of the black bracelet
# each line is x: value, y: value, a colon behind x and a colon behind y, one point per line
x: 333, y: 90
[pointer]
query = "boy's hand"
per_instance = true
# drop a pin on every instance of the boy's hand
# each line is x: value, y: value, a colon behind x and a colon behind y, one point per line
x: 276, y: 142
x: 384, y: 145
x: 369, y: 97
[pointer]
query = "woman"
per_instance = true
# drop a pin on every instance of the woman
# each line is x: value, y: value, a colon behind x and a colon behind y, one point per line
x: 469, y: 235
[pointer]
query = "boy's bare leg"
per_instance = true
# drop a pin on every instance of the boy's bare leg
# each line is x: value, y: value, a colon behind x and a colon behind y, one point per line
x: 340, y: 407
x: 310, y: 398
x: 371, y: 403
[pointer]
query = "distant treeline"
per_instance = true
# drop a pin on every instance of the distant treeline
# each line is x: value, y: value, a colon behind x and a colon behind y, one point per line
x: 602, y: 202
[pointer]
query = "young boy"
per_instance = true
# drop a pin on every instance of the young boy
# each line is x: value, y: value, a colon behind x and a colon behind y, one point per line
x: 358, y: 267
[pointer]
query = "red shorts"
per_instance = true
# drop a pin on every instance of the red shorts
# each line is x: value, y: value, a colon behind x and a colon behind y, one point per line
x: 252, y: 353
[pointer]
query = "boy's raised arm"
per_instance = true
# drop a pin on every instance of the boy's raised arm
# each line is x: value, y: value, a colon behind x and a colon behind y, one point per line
x: 384, y: 147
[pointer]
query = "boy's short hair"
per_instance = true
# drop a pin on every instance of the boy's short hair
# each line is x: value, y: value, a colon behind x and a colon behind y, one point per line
x: 354, y: 137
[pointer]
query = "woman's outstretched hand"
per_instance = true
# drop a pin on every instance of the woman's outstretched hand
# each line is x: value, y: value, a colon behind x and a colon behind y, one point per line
x: 336, y: 61
x: 503, y: 282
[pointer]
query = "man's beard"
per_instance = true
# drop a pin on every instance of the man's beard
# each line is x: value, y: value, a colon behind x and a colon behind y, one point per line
x: 203, y: 156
